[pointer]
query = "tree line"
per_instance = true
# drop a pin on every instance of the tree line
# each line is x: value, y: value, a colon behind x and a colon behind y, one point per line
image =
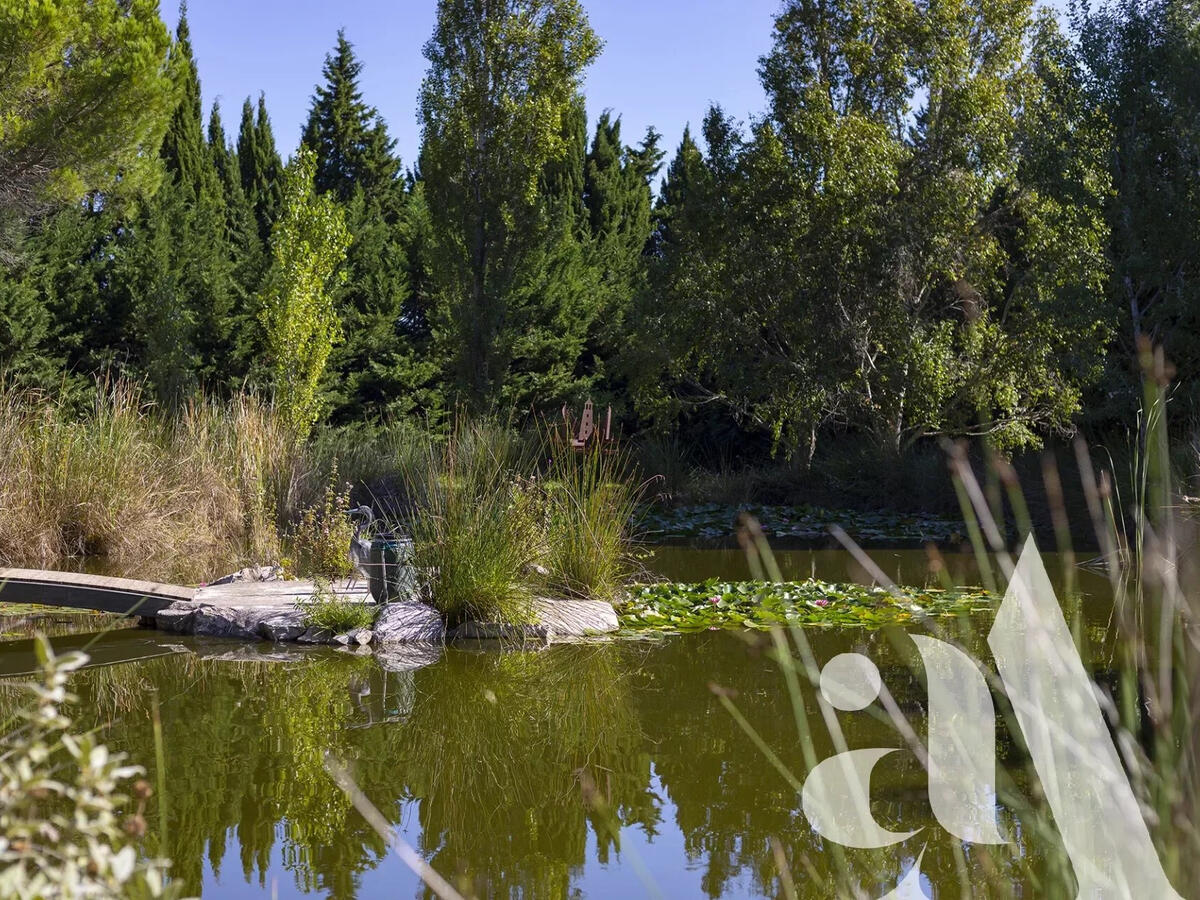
x: 954, y: 217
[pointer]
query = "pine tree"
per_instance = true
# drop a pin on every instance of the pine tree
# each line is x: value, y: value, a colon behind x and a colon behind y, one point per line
x: 618, y: 203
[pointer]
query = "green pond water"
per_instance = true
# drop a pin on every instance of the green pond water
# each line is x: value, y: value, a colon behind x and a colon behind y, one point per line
x: 606, y: 769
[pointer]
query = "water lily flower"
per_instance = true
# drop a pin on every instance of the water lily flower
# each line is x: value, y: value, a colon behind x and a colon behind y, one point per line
x: 714, y: 600
x: 823, y: 601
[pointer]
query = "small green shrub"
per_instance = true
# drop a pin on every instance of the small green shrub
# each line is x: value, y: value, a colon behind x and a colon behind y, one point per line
x: 326, y: 610
x: 70, y: 810
x: 320, y: 540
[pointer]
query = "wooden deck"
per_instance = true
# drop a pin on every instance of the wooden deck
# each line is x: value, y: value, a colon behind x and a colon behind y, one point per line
x: 124, y: 596
x: 130, y: 597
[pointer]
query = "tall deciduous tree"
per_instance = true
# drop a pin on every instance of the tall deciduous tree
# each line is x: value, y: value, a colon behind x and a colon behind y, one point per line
x: 876, y: 265
x: 1143, y: 60
x: 496, y: 106
x: 299, y: 320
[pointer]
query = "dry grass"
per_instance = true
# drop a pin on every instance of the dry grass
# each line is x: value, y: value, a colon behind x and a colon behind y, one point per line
x: 180, y: 498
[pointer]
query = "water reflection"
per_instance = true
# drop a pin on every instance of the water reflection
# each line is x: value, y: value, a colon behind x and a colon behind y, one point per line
x: 580, y: 770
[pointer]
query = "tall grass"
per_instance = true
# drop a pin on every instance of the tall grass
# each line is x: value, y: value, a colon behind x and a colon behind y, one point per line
x: 190, y: 494
x: 1146, y: 675
x: 499, y: 518
x: 475, y: 524
x: 592, y: 501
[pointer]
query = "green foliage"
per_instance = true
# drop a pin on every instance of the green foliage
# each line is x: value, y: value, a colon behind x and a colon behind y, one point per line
x: 373, y: 373
x: 320, y: 540
x: 839, y: 265
x: 500, y: 108
x: 83, y: 100
x: 718, y: 520
x: 70, y: 810
x: 324, y: 609
x: 755, y: 604
x: 300, y: 323
x: 1142, y: 61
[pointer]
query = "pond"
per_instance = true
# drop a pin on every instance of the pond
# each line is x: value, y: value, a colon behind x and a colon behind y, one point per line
x: 588, y: 770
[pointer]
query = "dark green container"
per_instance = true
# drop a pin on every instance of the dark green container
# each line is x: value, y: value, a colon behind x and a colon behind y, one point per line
x: 389, y: 570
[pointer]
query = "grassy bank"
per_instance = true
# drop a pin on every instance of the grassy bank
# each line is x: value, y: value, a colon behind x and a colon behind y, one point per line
x: 189, y: 494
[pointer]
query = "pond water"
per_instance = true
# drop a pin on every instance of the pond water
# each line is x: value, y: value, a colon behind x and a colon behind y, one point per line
x: 589, y: 770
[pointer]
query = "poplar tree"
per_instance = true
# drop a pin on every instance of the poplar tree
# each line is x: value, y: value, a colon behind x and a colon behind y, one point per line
x: 299, y: 320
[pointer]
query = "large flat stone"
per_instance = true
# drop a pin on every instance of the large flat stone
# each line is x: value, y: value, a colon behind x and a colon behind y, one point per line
x: 176, y: 618
x: 283, y: 626
x: 500, y: 631
x: 408, y: 623
x: 234, y: 621
x: 575, y: 618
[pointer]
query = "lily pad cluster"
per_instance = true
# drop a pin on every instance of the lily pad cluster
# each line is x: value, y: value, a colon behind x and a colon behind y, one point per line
x: 758, y: 604
x: 717, y: 520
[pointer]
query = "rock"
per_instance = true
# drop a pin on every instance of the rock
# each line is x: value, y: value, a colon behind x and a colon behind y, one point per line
x: 176, y: 618
x: 316, y: 635
x: 407, y: 623
x: 342, y: 640
x: 556, y: 619
x: 407, y: 657
x: 576, y: 618
x: 500, y: 631
x: 538, y: 570
x: 225, y: 621
x: 361, y: 636
x: 252, y: 573
x: 284, y: 626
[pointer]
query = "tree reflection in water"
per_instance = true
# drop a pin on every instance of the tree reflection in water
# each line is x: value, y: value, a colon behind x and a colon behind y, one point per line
x: 524, y: 772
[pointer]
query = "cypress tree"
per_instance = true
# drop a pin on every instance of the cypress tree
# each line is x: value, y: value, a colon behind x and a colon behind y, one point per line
x: 355, y: 162
x: 259, y: 164
x: 247, y: 253
x: 175, y: 260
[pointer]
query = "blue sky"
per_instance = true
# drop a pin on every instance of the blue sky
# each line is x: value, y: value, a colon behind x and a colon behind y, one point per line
x: 663, y: 61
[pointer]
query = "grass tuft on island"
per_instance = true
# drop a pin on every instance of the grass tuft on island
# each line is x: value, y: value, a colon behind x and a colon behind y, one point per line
x: 762, y: 605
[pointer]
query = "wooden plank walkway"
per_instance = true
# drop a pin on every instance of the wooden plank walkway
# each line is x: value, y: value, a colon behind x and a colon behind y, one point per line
x: 127, y: 596
x: 124, y: 596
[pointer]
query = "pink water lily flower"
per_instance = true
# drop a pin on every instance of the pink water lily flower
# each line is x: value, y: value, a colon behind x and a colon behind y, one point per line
x: 824, y: 601
x: 714, y: 600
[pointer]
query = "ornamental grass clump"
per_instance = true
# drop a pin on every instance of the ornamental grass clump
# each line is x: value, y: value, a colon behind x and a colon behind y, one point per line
x: 180, y: 495
x: 324, y: 609
x: 591, y: 501
x: 477, y: 525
